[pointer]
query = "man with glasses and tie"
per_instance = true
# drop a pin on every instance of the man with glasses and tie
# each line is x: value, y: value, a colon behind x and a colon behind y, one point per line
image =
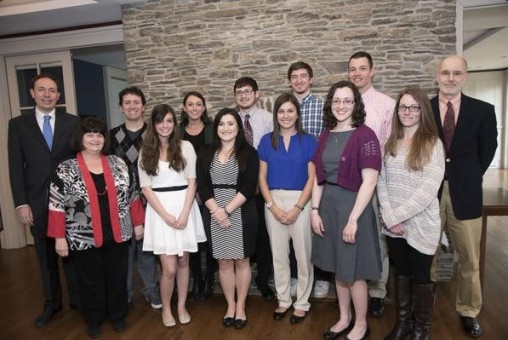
x: 256, y: 123
x: 379, y: 109
x: 468, y: 129
x: 37, y: 142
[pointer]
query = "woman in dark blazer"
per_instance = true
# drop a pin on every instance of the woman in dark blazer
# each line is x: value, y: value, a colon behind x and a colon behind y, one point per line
x: 197, y: 128
x: 227, y: 174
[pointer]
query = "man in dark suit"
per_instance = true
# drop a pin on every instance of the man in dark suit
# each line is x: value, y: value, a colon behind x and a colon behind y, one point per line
x: 36, y: 145
x: 468, y: 129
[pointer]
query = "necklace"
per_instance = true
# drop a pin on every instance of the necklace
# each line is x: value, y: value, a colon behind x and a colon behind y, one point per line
x: 104, y: 192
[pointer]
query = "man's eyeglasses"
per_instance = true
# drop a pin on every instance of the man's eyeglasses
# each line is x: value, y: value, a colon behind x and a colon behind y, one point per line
x: 411, y: 108
x: 247, y: 92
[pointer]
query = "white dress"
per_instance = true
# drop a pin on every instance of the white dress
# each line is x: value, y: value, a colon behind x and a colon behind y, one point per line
x: 159, y: 237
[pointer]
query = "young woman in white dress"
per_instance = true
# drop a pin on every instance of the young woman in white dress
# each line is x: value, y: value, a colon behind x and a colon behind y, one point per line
x: 173, y: 224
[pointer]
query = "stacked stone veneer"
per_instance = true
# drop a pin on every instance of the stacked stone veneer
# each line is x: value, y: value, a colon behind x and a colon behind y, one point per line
x: 174, y: 46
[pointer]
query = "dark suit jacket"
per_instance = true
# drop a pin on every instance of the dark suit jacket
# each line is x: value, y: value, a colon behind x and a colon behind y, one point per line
x: 472, y: 149
x: 31, y: 163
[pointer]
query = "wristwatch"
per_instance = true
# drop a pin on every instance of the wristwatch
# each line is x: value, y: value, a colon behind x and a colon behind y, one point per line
x: 269, y: 205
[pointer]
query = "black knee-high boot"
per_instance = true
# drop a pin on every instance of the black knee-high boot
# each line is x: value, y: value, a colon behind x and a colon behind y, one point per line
x: 423, y: 295
x: 403, y: 296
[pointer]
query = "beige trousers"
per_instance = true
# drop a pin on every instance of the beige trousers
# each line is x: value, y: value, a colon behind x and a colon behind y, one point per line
x: 466, y: 236
x: 301, y: 234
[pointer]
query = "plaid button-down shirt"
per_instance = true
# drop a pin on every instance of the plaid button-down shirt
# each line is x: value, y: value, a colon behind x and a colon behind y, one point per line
x: 312, y: 114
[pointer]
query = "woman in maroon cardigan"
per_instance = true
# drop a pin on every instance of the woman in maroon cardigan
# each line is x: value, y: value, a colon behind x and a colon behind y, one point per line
x: 348, y: 160
x: 92, y: 211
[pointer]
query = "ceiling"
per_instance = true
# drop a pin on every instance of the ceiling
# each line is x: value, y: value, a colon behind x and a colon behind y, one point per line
x: 485, y: 27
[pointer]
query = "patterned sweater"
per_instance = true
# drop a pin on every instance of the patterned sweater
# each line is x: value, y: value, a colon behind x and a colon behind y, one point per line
x: 410, y: 198
x: 74, y: 210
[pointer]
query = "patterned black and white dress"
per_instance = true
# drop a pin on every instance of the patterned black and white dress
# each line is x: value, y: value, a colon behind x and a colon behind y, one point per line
x: 222, y: 182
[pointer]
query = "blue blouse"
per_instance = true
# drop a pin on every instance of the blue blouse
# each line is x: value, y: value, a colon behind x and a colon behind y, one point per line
x: 287, y: 170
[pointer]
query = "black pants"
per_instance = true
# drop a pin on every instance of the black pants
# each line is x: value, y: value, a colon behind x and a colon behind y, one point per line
x: 102, y: 274
x: 408, y: 261
x: 49, y: 268
x: 263, y: 251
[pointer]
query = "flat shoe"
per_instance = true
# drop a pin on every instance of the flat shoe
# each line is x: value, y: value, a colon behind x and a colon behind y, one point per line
x: 168, y: 322
x: 239, y: 323
x: 329, y: 334
x: 294, y: 319
x: 184, y: 318
x: 228, y: 322
x: 365, y: 335
x: 280, y: 315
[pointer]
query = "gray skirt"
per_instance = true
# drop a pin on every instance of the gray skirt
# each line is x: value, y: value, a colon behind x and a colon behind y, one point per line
x: 349, y: 262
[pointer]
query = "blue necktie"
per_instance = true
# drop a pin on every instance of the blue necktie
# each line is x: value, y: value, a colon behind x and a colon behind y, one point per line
x: 47, y: 131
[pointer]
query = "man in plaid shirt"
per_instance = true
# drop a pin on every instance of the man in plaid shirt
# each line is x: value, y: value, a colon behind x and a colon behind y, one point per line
x: 301, y: 76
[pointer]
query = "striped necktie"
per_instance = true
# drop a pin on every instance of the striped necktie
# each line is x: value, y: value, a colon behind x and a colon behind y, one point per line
x: 247, y: 128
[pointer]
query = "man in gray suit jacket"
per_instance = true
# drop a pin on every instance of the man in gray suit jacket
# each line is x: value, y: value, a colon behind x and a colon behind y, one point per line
x: 33, y: 158
x: 468, y: 129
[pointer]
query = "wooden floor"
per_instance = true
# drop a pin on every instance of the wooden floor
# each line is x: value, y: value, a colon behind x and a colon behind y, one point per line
x: 20, y: 303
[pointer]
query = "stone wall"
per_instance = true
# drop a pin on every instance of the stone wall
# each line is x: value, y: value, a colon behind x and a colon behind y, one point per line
x: 173, y: 46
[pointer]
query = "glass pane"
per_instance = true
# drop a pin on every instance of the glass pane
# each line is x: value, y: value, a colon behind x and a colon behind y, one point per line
x: 25, y: 76
x: 26, y: 111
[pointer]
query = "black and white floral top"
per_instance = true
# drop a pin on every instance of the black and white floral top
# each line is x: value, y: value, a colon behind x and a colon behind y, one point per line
x: 74, y: 210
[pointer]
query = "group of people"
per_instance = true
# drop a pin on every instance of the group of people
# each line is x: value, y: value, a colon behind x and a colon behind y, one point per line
x: 319, y: 189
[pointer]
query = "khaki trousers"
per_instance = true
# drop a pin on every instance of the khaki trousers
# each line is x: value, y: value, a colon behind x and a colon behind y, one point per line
x: 466, y: 236
x: 301, y: 234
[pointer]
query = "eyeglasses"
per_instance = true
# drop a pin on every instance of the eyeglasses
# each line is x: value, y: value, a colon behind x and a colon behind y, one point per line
x: 411, y: 108
x: 345, y: 101
x: 247, y: 92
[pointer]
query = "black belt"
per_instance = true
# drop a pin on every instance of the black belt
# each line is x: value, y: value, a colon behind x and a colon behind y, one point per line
x: 177, y: 188
x: 224, y: 186
x: 330, y: 183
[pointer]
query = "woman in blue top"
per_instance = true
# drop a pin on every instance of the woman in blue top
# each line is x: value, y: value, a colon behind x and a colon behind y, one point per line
x: 286, y: 175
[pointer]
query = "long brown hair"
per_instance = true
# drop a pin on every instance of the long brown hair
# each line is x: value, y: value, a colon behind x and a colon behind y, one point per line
x: 151, y: 144
x: 425, y: 137
x: 282, y: 99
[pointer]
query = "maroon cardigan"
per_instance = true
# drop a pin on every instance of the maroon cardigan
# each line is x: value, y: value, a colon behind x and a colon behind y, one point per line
x: 361, y: 151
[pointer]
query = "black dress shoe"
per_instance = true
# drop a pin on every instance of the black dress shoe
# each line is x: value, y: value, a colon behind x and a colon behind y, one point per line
x: 239, y: 323
x: 329, y: 334
x: 265, y: 290
x: 376, y: 307
x: 76, y: 306
x: 365, y: 335
x: 294, y: 319
x: 471, y: 326
x: 120, y: 325
x: 94, y: 331
x: 228, y: 322
x: 46, y: 315
x: 280, y: 315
